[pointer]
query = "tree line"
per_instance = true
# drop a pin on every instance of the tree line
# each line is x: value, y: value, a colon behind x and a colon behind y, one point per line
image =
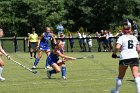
x: 19, y: 16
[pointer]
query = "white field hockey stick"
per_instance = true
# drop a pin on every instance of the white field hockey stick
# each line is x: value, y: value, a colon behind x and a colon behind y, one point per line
x: 91, y: 56
x: 33, y: 71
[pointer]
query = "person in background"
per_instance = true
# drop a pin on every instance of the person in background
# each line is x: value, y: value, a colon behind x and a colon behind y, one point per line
x: 15, y: 43
x: 98, y: 36
x: 120, y: 33
x: 27, y: 42
x: 84, y: 41
x: 2, y: 51
x: 135, y: 28
x: 89, y: 42
x: 32, y: 43
x: 62, y: 38
x: 129, y: 46
x: 80, y: 40
x: 71, y: 41
x: 105, y: 38
x: 55, y: 62
x: 60, y: 29
x: 110, y: 41
x: 43, y: 45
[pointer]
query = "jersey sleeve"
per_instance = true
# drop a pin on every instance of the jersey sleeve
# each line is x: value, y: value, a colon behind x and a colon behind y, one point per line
x: 137, y: 41
x: 119, y: 41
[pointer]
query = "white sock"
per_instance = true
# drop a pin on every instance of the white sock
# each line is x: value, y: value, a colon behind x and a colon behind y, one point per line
x: 137, y: 81
x: 118, y: 84
x: 1, y: 71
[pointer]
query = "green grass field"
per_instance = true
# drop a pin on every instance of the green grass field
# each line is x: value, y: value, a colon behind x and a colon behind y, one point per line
x: 84, y: 76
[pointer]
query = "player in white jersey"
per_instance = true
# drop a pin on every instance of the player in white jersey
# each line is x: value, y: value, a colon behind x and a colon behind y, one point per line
x: 129, y: 48
x: 2, y: 51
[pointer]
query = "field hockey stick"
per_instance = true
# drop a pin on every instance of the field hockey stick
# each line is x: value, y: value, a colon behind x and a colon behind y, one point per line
x: 33, y: 71
x: 91, y: 56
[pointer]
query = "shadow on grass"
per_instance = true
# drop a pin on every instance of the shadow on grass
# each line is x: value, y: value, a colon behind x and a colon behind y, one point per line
x: 36, y: 68
x: 130, y: 80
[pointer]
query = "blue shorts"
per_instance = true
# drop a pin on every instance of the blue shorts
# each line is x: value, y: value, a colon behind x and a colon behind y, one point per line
x: 44, y: 48
x: 51, y: 62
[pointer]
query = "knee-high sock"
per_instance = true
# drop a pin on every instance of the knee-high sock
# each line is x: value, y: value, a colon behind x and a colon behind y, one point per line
x: 36, y: 61
x: 118, y: 84
x: 63, y: 70
x: 47, y: 63
x: 137, y: 82
x: 1, y: 68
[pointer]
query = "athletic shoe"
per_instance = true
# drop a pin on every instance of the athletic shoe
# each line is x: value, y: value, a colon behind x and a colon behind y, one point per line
x: 2, y: 79
x: 48, y: 67
x: 34, y: 67
x: 49, y: 74
x: 64, y: 77
x: 114, y: 91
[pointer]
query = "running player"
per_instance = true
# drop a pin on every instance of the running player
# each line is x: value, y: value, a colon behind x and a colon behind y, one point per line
x: 55, y: 62
x: 44, y: 45
x: 1, y: 61
x: 129, y: 47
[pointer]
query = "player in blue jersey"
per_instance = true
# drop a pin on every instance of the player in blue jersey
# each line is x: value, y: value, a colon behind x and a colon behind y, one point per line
x: 55, y: 62
x: 44, y: 45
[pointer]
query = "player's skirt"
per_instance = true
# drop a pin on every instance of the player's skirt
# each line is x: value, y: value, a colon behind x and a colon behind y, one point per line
x: 51, y: 61
x: 131, y: 61
x: 44, y: 48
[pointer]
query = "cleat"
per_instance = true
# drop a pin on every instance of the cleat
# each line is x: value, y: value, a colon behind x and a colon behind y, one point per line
x: 34, y: 67
x: 64, y: 77
x: 48, y: 67
x: 2, y: 79
x: 114, y: 91
x: 48, y: 74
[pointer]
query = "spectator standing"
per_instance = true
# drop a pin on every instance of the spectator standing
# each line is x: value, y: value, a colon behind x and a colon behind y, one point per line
x: 106, y: 37
x: 110, y: 40
x: 89, y: 42
x: 71, y: 41
x: 84, y: 41
x: 103, y: 39
x: 62, y: 38
x: 80, y: 40
x: 60, y: 29
x: 98, y: 35
x: 135, y: 28
x: 15, y: 43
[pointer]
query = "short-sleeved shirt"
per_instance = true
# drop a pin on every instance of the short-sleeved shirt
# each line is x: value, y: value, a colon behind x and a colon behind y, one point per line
x: 33, y: 37
x: 128, y: 46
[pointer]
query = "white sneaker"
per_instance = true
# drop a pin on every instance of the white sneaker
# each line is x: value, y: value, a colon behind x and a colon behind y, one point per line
x: 64, y: 77
x: 114, y: 91
x: 2, y: 79
x: 48, y: 67
x: 33, y: 67
x: 48, y: 74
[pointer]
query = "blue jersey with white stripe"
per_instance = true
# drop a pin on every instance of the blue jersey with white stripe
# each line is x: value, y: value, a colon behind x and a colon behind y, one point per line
x: 44, y: 43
